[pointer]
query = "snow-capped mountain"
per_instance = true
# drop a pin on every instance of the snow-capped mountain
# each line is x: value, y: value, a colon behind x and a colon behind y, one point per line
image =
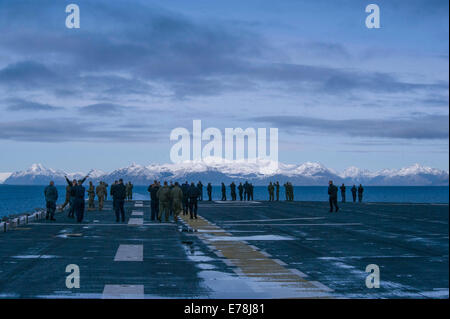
x: 260, y: 173
x: 4, y: 176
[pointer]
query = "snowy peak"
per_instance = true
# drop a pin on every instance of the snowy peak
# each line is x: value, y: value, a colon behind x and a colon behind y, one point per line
x: 260, y: 172
x: 4, y: 176
x: 355, y: 172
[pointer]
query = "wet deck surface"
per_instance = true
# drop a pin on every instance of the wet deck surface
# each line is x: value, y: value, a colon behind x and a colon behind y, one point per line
x: 240, y: 250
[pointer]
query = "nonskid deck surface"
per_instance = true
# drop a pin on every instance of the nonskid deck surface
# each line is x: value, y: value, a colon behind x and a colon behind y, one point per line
x: 238, y: 250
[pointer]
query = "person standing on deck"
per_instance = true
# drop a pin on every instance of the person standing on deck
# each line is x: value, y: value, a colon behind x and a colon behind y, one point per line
x: 100, y: 191
x: 171, y: 186
x: 224, y: 192
x: 354, y: 190
x: 119, y: 194
x: 209, y: 190
x: 185, y: 202
x: 154, y: 203
x: 286, y: 190
x: 72, y: 196
x: 193, y: 196
x: 200, y: 189
x: 241, y: 190
x: 277, y: 190
x: 91, y: 196
x: 106, y: 190
x: 71, y: 185
x: 129, y: 190
x: 332, y: 192
x: 271, y: 190
x: 343, y: 192
x: 233, y: 191
x: 68, y: 190
x: 163, y: 195
x: 111, y: 191
x: 246, y: 190
x: 251, y: 191
x: 78, y: 192
x: 176, y: 194
x: 360, y: 193
x: 51, y: 196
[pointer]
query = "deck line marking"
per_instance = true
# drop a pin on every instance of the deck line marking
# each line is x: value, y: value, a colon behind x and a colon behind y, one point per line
x: 326, y: 224
x: 137, y: 213
x: 130, y: 253
x: 94, y: 225
x: 268, y: 220
x: 123, y: 292
x: 135, y: 221
x: 263, y: 273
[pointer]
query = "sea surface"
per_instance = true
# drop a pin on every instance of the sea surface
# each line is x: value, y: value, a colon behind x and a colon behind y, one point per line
x: 23, y: 199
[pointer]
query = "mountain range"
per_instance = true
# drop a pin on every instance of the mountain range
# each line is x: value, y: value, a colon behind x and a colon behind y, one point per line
x: 259, y: 173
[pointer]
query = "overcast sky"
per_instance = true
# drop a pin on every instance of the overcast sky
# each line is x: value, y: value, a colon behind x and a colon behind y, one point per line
x: 109, y: 94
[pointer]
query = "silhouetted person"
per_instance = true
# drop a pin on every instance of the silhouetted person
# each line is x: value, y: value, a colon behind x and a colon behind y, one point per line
x: 209, y: 190
x: 119, y: 194
x: 354, y: 191
x: 78, y: 192
x: 233, y: 191
x: 333, y: 192
x: 271, y: 190
x: 200, y: 189
x: 343, y: 192
x: 246, y: 191
x: 277, y: 190
x: 185, y: 190
x: 193, y: 205
x: 241, y: 190
x: 51, y: 196
x: 360, y: 193
x: 224, y: 192
x: 154, y: 203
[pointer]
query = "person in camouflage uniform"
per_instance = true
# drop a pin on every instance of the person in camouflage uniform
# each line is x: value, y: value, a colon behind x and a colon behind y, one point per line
x: 91, y: 196
x: 233, y: 191
x: 176, y: 194
x: 277, y: 190
x: 101, y: 191
x: 164, y: 202
x: 343, y: 192
x: 129, y: 190
x: 271, y: 190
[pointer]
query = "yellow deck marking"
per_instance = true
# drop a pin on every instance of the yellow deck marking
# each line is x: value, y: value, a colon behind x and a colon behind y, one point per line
x: 255, y: 264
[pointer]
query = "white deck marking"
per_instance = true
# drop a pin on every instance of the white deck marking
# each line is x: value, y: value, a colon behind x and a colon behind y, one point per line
x: 137, y: 213
x: 123, y: 292
x: 237, y: 203
x: 130, y: 253
x: 326, y: 224
x: 135, y: 221
x: 94, y: 225
x: 268, y: 220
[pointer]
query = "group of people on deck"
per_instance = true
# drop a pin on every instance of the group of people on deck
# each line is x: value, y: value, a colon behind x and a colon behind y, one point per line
x: 167, y: 199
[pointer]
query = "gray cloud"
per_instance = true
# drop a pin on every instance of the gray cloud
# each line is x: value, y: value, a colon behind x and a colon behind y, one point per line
x: 191, y: 59
x: 103, y: 109
x: 70, y: 130
x: 417, y: 127
x: 27, y: 74
x: 17, y: 105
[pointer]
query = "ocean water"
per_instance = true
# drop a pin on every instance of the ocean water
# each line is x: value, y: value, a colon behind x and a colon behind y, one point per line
x: 22, y: 199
